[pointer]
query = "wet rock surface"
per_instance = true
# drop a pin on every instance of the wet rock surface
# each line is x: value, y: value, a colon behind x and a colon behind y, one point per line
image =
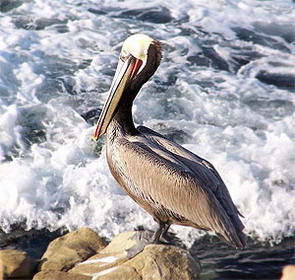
x: 16, y: 264
x: 59, y: 275
x: 154, y: 262
x: 83, y: 255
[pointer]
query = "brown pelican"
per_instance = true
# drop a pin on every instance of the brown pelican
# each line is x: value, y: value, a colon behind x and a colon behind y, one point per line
x: 171, y: 183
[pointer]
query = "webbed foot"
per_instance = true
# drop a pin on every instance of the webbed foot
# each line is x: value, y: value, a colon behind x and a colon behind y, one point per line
x: 142, y: 239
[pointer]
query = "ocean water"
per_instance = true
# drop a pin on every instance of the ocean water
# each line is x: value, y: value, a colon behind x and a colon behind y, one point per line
x: 224, y: 90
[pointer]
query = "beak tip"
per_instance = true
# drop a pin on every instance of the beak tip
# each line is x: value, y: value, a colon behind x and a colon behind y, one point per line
x: 94, y: 138
x: 97, y: 133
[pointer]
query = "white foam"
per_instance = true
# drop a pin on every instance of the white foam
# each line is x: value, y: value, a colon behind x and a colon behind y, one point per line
x: 65, y: 68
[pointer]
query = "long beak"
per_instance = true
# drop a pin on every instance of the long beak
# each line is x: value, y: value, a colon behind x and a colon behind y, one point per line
x: 126, y: 70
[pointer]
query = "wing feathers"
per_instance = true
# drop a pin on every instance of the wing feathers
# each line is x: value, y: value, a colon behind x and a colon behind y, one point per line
x: 179, y: 181
x: 209, y: 176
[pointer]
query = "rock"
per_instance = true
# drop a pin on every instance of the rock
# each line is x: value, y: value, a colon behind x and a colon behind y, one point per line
x: 112, y: 255
x: 165, y: 262
x: 288, y: 272
x: 118, y: 272
x: 63, y: 252
x: 16, y: 264
x: 155, y: 262
x: 59, y: 275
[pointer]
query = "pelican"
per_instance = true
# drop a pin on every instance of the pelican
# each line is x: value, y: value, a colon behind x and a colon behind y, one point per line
x: 171, y: 183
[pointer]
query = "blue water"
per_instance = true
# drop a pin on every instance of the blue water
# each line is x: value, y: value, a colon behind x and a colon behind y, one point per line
x: 225, y: 90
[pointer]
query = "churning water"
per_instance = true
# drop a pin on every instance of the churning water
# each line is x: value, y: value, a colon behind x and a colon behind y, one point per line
x: 224, y: 90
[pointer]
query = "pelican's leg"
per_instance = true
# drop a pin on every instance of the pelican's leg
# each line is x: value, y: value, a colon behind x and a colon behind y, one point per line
x: 163, y: 228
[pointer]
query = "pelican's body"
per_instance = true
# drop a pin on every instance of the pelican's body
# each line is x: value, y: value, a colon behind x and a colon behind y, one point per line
x: 171, y: 183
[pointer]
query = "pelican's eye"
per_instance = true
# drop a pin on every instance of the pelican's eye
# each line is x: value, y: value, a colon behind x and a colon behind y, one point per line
x: 124, y: 55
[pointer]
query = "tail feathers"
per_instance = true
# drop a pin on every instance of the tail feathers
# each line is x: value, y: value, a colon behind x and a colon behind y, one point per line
x: 233, y: 230
x: 234, y: 237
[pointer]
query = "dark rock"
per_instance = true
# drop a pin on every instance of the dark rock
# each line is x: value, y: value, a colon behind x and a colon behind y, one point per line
x: 16, y: 264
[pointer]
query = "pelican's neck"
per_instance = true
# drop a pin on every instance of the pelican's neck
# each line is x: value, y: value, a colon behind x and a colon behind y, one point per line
x: 122, y: 122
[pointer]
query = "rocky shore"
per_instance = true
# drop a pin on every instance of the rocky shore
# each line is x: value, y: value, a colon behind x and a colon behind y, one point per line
x: 84, y: 255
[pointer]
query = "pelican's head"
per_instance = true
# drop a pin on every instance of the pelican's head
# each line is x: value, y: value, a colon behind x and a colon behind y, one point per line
x: 139, y: 58
x: 142, y: 48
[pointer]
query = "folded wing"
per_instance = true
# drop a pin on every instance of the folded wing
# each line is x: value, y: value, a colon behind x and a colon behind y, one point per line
x: 185, y: 185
